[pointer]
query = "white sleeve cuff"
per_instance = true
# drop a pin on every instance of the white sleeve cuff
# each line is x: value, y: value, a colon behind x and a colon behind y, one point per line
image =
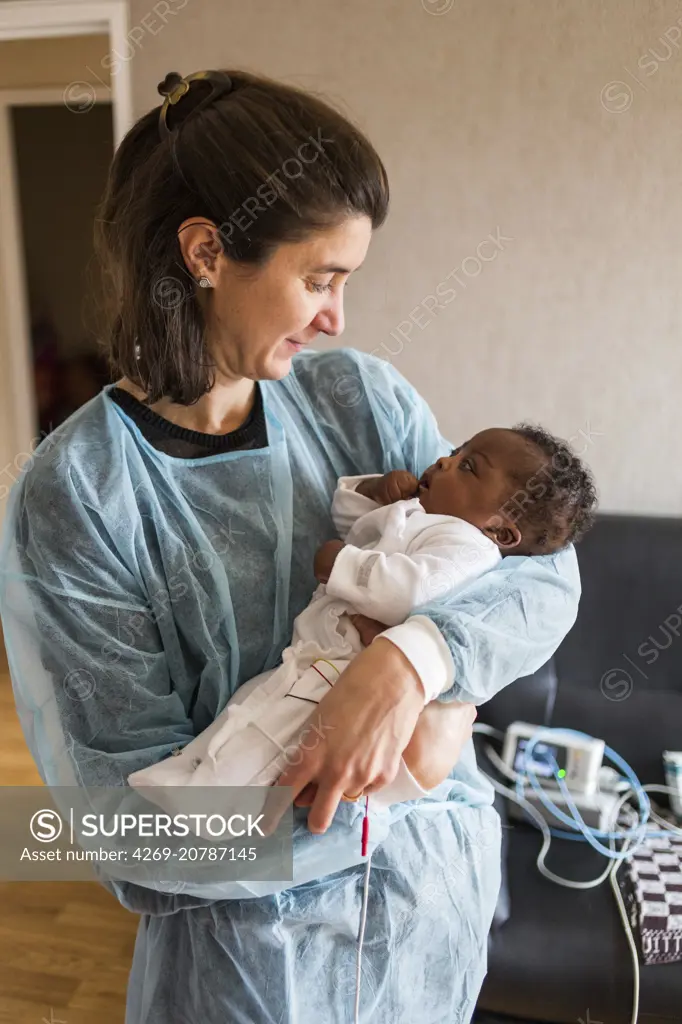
x: 349, y: 483
x: 424, y: 646
x: 348, y: 505
x: 404, y: 787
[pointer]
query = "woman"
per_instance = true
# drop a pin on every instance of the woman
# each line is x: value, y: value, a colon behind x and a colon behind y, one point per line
x: 159, y: 548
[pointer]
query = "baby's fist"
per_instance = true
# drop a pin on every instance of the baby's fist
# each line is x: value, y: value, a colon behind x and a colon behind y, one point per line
x: 394, y: 486
x: 325, y: 558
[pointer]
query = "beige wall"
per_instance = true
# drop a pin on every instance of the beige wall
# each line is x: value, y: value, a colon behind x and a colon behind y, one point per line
x: 490, y: 117
x: 34, y: 63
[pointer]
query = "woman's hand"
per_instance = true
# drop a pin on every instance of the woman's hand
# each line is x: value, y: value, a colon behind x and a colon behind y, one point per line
x: 441, y: 733
x: 361, y: 727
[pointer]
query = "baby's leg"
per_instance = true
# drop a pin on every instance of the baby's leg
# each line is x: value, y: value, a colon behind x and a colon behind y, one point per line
x: 437, y: 741
x: 258, y: 738
x: 179, y: 769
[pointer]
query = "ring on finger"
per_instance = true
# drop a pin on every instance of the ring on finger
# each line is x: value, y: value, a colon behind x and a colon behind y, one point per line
x: 351, y: 798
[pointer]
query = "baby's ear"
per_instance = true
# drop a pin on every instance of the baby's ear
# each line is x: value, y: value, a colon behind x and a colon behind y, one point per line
x: 503, y: 532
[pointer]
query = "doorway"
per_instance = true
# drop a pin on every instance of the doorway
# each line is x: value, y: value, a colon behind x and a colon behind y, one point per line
x: 64, y: 106
x: 62, y: 163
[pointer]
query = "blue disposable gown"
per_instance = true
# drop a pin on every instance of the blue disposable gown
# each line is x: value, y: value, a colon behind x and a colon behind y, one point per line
x: 149, y: 588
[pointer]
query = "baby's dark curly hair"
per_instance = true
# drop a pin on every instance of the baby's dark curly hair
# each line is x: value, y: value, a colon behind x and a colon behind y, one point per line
x: 560, y: 498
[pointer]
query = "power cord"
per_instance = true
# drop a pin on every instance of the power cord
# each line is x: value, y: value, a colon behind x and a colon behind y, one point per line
x: 363, y: 913
x: 629, y: 839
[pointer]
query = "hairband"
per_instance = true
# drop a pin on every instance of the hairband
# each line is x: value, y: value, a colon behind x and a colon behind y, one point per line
x: 174, y: 87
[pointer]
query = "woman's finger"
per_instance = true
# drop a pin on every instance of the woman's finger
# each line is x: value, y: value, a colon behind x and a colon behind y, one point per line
x: 327, y: 800
x: 306, y: 796
x: 374, y: 787
x: 368, y: 715
x: 277, y: 801
x: 298, y: 777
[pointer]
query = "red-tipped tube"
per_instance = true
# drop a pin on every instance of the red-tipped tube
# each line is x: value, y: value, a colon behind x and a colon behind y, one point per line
x: 365, y: 828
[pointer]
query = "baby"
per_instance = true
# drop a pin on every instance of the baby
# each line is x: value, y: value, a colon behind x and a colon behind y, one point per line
x: 406, y: 541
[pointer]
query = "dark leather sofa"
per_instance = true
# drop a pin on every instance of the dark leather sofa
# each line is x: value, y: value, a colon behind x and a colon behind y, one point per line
x: 561, y: 957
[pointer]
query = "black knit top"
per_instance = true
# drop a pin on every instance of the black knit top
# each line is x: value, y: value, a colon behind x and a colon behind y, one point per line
x: 193, y: 444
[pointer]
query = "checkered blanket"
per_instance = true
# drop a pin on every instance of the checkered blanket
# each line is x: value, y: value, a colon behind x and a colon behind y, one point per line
x: 651, y: 883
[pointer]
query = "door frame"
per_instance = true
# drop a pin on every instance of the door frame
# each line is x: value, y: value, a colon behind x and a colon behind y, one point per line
x: 36, y: 19
x: 47, y: 19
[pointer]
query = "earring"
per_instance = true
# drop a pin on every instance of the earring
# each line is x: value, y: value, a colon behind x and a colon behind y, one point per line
x: 204, y: 282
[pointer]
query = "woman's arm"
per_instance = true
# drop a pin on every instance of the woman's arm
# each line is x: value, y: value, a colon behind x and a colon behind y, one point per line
x: 361, y: 732
x: 505, y: 624
x: 90, y: 674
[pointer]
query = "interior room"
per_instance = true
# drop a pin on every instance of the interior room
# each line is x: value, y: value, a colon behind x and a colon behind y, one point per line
x: 419, y: 257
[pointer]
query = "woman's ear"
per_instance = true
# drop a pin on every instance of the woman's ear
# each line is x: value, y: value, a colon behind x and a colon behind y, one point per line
x: 210, y: 249
x: 504, y: 532
x: 200, y: 245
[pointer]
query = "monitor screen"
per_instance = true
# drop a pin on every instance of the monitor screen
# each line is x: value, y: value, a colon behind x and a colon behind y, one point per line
x: 546, y: 757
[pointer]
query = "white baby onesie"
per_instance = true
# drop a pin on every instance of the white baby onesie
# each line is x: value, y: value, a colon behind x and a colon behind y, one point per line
x: 397, y: 557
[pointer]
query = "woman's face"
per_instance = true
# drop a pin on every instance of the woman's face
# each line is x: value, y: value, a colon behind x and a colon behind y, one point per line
x: 259, y: 319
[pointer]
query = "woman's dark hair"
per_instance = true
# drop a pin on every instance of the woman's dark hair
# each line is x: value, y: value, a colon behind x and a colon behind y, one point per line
x: 560, y: 498
x: 267, y: 163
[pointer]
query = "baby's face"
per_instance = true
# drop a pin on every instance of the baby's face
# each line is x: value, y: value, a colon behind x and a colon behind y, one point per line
x: 475, y: 481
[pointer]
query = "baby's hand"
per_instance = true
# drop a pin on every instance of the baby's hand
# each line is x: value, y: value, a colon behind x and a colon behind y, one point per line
x: 437, y: 741
x: 394, y: 486
x: 325, y: 558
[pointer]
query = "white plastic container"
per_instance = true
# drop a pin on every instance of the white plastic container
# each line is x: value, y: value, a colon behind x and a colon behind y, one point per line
x: 672, y: 766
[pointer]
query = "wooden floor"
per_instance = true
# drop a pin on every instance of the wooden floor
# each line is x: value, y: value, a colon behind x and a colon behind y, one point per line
x: 65, y: 947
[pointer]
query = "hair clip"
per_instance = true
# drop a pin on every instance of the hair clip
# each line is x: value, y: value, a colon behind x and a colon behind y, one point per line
x: 174, y: 87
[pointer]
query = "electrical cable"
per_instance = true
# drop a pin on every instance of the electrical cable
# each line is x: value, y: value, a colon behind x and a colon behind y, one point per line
x: 505, y: 770
x: 487, y: 730
x: 547, y: 840
x: 630, y: 839
x: 363, y: 913
x: 576, y: 820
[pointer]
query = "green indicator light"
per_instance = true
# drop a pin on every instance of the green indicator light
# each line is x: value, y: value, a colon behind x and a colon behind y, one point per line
x: 561, y: 773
